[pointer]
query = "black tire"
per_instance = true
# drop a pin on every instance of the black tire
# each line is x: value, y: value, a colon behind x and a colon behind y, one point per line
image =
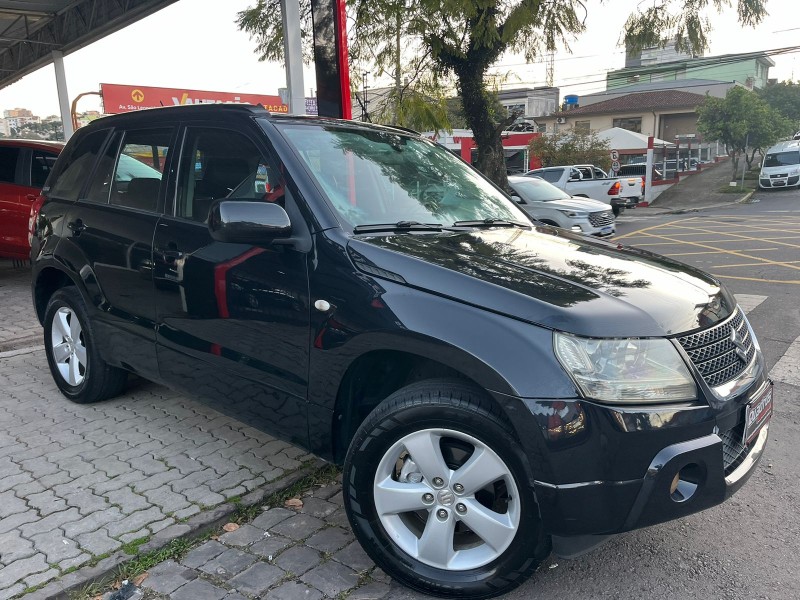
x: 456, y: 406
x: 617, y: 210
x: 99, y: 381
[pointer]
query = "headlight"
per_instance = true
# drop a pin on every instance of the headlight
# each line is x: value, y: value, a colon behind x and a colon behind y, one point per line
x: 630, y: 371
x: 794, y: 171
x: 574, y: 214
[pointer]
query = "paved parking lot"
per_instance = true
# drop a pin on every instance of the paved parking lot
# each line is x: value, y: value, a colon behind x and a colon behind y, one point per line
x: 764, y: 245
x: 79, y: 481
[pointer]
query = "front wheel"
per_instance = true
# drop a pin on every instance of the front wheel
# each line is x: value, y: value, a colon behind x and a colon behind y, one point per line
x: 72, y: 354
x: 437, y: 493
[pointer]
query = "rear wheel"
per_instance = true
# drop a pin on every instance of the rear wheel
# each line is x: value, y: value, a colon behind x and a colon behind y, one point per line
x: 437, y: 493
x: 75, y: 362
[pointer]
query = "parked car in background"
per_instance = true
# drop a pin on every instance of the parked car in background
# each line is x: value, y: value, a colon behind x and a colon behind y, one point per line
x: 24, y: 167
x: 781, y: 166
x: 492, y: 389
x: 632, y: 188
x: 570, y: 180
x: 548, y: 204
x: 638, y: 170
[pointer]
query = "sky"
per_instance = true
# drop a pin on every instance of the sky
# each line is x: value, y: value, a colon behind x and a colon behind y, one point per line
x: 195, y: 44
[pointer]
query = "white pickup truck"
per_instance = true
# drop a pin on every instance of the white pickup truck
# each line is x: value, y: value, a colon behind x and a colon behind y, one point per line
x: 589, y: 181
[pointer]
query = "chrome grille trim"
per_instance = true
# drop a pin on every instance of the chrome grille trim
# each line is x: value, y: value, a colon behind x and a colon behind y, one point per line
x: 601, y: 219
x: 714, y: 353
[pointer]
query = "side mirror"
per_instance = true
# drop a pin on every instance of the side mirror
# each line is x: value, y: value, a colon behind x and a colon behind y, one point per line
x: 575, y: 178
x: 242, y: 222
x: 517, y: 199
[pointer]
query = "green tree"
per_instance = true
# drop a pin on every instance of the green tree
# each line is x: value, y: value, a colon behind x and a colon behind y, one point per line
x: 785, y: 98
x: 571, y: 147
x: 380, y: 42
x: 741, y: 120
x: 463, y: 38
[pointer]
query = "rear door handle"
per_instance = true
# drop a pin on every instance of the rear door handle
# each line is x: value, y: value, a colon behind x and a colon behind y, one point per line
x: 76, y: 226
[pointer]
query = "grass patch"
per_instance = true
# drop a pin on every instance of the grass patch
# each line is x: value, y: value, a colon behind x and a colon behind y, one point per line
x: 175, y: 550
x: 132, y: 547
x: 324, y: 475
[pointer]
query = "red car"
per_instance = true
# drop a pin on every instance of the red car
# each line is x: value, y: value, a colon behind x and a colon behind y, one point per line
x: 24, y: 166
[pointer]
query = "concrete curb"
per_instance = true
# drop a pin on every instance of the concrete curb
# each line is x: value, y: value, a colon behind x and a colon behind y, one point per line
x: 195, y: 526
x: 680, y: 211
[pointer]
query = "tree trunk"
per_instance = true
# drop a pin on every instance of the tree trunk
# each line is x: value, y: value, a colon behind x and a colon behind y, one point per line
x: 735, y: 162
x: 475, y: 99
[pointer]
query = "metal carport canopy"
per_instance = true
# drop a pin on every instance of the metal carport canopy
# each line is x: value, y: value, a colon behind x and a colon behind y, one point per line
x: 31, y: 30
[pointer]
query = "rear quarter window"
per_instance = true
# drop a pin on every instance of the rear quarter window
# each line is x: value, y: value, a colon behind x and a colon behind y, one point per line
x: 74, y: 167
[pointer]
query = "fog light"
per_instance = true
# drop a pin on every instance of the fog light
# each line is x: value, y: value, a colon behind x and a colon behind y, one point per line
x: 674, y: 485
x: 686, y: 482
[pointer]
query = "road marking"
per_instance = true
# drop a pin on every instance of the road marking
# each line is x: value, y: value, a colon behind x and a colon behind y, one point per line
x: 789, y: 281
x: 624, y: 235
x: 787, y: 369
x: 788, y: 262
x: 724, y: 252
x: 749, y: 301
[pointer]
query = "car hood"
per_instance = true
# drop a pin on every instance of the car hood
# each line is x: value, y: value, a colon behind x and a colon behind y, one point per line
x: 552, y: 278
x: 583, y: 204
x: 778, y: 170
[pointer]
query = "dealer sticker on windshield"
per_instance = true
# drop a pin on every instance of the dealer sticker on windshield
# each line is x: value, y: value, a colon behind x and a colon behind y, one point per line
x: 757, y: 412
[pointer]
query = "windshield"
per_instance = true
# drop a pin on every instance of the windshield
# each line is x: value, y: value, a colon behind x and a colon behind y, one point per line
x: 782, y: 159
x: 537, y: 190
x: 376, y: 176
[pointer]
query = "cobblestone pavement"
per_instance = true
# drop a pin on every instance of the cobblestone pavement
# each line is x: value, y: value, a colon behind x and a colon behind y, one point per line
x: 18, y: 323
x: 79, y: 481
x: 283, y: 554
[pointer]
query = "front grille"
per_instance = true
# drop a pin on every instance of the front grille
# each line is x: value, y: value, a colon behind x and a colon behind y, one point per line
x: 714, y: 352
x: 601, y: 219
x: 793, y: 180
x: 779, y: 176
x: 733, y: 450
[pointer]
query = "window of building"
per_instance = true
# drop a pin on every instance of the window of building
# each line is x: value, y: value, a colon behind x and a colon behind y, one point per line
x: 517, y: 108
x: 629, y: 123
x: 582, y: 126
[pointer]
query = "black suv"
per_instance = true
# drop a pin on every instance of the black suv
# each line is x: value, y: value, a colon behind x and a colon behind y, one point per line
x: 493, y: 387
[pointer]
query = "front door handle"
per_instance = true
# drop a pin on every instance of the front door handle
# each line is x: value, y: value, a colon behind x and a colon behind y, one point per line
x: 76, y: 227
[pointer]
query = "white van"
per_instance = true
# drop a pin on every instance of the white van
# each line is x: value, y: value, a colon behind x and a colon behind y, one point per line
x: 781, y: 166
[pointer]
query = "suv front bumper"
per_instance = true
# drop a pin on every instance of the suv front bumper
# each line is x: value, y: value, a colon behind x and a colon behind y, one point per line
x: 608, y: 470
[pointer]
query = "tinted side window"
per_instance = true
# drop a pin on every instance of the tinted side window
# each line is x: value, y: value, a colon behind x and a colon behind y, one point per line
x: 8, y: 164
x: 140, y: 166
x: 77, y: 166
x: 551, y: 175
x: 217, y: 163
x: 41, y: 164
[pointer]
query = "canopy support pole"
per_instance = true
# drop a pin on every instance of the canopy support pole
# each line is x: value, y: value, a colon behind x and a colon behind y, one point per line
x: 63, y: 96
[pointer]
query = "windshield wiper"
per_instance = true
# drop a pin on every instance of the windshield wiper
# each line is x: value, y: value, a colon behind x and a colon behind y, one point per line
x: 492, y: 223
x: 399, y: 226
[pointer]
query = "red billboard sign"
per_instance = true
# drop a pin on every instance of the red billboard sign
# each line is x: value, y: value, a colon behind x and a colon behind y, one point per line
x: 127, y: 98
